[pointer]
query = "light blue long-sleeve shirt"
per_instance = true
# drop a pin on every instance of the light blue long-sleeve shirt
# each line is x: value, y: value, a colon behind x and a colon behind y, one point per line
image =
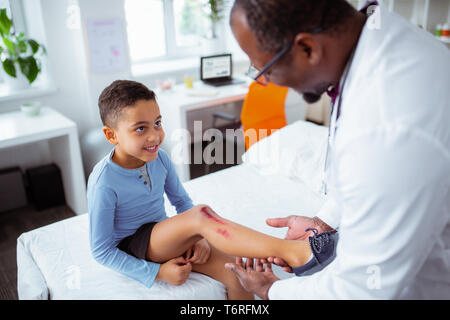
x: 119, y: 202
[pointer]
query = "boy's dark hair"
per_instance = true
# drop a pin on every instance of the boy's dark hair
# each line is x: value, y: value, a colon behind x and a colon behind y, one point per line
x: 276, y: 22
x: 119, y: 95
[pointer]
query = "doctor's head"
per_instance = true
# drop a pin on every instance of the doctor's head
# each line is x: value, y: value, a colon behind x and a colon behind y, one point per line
x: 132, y: 122
x: 303, y: 42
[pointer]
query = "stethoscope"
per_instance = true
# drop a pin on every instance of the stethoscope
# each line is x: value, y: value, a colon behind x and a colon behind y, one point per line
x: 333, y: 119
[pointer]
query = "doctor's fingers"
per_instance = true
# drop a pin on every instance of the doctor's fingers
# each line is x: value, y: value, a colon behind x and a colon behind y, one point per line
x: 240, y: 262
x: 278, y: 261
x: 262, y: 265
x: 259, y: 266
x: 268, y: 268
x: 279, y: 222
x: 281, y: 263
x: 249, y: 263
x: 245, y: 265
x: 252, y: 264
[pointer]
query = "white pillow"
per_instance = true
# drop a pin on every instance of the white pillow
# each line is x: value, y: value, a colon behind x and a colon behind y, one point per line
x: 296, y: 151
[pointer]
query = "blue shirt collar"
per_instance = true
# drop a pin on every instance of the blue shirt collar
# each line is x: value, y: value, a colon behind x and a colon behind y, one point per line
x: 116, y: 167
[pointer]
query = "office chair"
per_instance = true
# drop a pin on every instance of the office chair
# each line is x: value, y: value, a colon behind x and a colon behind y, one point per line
x: 263, y: 111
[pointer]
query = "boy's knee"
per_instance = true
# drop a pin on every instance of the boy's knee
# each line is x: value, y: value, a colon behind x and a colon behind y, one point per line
x: 197, y: 215
x: 204, y: 214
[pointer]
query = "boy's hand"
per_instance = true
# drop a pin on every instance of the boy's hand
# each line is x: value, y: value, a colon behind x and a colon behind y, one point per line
x: 175, y: 271
x: 199, y: 253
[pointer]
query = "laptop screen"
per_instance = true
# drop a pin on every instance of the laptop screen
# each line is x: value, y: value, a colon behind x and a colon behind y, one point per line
x: 214, y: 67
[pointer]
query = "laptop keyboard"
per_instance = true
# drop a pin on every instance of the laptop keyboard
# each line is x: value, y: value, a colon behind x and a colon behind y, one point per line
x: 224, y: 82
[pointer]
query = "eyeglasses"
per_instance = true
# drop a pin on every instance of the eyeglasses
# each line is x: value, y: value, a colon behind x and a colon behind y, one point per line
x: 258, y: 76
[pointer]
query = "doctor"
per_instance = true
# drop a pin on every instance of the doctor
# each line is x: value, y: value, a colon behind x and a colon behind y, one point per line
x: 388, y: 168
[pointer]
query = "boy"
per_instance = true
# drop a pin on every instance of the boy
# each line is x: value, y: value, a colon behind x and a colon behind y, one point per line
x: 129, y: 229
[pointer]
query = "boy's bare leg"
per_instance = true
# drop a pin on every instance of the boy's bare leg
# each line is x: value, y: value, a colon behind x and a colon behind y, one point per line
x: 174, y: 236
x: 215, y: 268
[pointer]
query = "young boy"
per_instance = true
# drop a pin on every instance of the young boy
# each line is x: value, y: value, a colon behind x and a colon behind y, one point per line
x: 129, y: 229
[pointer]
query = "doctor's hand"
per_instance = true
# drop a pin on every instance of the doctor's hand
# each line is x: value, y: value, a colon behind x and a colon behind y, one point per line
x: 296, y: 231
x: 257, y: 280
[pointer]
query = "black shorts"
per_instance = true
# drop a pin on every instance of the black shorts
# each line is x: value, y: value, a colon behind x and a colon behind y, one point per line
x: 137, y: 243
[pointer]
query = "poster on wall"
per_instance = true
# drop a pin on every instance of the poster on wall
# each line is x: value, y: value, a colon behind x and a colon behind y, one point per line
x: 107, y: 49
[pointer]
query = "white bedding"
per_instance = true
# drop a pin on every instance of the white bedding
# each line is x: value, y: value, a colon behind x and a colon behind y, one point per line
x: 54, y: 262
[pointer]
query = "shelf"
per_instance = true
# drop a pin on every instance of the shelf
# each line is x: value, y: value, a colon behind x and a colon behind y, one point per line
x: 424, y: 13
x: 32, y: 92
x: 444, y: 40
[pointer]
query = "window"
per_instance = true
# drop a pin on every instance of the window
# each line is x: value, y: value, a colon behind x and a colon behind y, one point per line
x: 354, y: 3
x: 190, y: 23
x: 14, y: 11
x: 5, y: 4
x: 145, y: 27
x: 165, y: 28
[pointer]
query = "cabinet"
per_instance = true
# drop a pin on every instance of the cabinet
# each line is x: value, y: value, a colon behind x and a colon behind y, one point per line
x: 426, y: 14
x: 62, y: 137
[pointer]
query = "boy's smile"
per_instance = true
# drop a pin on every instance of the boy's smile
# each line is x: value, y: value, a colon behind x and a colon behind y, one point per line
x: 137, y: 134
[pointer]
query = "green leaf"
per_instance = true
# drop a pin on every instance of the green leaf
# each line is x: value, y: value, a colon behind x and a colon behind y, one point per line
x: 10, y: 46
x: 22, y: 46
x: 8, y: 66
x: 34, y: 45
x: 29, y: 68
x: 5, y: 23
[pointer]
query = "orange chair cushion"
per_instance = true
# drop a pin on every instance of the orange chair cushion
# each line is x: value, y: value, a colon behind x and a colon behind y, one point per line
x: 263, y: 111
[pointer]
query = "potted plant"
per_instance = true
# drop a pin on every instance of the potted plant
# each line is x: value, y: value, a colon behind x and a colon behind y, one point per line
x: 18, y: 55
x: 213, y: 10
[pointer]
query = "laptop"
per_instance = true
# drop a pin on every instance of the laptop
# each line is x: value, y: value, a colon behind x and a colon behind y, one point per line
x: 217, y: 70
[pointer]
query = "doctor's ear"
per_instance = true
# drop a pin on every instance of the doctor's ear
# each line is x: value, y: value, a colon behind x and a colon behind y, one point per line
x: 110, y: 135
x: 309, y: 47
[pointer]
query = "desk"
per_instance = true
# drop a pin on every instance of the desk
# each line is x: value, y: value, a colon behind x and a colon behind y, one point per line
x: 61, y: 134
x: 174, y: 106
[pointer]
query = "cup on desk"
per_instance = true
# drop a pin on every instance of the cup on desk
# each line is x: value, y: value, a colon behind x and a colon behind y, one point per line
x: 31, y: 108
x: 189, y: 81
x: 166, y: 85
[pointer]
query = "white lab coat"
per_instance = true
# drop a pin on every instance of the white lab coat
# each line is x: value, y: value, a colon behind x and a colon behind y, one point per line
x: 389, y: 173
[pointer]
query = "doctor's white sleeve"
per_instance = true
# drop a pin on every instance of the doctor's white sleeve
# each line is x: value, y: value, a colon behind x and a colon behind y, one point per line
x: 392, y: 185
x: 329, y: 213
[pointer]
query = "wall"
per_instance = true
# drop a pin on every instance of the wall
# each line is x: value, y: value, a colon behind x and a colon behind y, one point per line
x: 54, y: 23
x: 68, y: 64
x: 63, y: 33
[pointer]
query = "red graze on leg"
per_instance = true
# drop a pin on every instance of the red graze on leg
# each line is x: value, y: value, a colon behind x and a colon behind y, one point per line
x: 224, y: 233
x: 210, y: 216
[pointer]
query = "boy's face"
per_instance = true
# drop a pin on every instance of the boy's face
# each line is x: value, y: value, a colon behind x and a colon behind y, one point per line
x: 137, y: 134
